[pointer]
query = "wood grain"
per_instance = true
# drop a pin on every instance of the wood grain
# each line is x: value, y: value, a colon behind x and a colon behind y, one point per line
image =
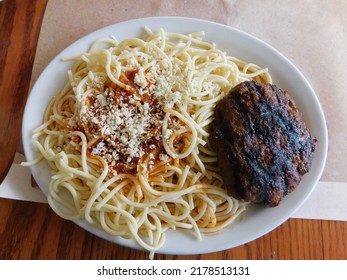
x: 33, y: 231
x: 20, y: 22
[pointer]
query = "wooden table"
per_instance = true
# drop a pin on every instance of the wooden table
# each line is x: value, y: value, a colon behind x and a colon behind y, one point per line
x: 33, y: 231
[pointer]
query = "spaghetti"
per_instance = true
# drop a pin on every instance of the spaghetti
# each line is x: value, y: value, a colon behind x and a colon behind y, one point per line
x: 127, y: 138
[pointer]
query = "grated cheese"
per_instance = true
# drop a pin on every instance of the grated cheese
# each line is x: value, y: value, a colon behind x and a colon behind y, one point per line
x: 128, y: 122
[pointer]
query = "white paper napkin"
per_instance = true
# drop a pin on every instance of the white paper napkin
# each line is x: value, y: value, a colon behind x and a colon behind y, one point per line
x: 327, y: 202
x: 17, y: 184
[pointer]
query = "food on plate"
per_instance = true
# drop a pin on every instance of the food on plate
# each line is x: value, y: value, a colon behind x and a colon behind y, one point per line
x: 262, y: 144
x: 127, y: 138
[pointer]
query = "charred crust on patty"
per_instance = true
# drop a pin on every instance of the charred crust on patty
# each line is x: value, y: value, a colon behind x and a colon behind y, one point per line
x: 263, y: 146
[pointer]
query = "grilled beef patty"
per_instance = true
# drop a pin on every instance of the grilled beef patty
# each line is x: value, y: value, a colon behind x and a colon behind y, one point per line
x: 262, y: 144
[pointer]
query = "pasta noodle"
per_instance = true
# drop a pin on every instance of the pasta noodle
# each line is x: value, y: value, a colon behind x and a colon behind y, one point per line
x: 127, y: 137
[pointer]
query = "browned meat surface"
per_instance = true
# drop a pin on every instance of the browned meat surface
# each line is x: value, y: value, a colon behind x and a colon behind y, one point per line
x: 262, y: 144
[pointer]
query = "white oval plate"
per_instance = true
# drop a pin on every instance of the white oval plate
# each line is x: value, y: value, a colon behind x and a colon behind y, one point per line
x: 258, y: 220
